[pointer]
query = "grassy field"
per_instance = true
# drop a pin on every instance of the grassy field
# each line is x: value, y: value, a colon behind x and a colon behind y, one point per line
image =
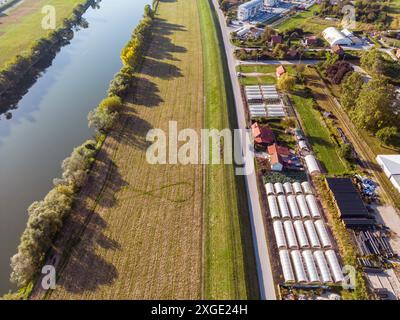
x: 142, y: 231
x: 306, y: 21
x: 22, y: 25
x: 229, y: 271
x: 318, y: 135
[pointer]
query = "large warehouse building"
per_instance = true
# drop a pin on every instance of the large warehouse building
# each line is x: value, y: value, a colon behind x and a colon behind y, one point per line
x: 336, y: 37
x: 249, y: 9
x: 391, y: 166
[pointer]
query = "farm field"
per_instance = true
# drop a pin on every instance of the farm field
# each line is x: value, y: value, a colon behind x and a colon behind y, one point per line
x: 306, y: 21
x: 318, y: 135
x: 21, y: 27
x: 142, y: 231
x: 229, y: 263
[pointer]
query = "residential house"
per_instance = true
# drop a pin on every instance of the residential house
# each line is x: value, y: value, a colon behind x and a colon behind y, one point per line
x: 277, y: 155
x: 280, y: 71
x: 262, y: 135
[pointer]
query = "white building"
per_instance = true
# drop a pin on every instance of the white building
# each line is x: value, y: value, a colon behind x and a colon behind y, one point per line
x: 249, y: 9
x: 270, y: 3
x: 336, y: 37
x: 391, y: 166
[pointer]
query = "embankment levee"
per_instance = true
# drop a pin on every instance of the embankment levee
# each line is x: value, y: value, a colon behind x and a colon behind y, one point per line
x: 20, y: 66
x: 46, y: 217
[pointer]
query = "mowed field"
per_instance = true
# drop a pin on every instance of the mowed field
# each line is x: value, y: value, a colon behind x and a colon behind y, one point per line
x: 22, y: 26
x: 142, y: 231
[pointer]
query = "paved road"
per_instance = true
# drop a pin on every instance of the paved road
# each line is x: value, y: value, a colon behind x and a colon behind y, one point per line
x: 266, y: 282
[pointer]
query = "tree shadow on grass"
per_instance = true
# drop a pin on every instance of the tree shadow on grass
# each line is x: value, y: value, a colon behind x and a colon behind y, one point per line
x: 87, y: 270
x: 145, y: 93
x: 162, y: 46
x: 159, y: 69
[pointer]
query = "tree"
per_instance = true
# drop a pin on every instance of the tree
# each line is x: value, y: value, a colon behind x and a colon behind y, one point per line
x: 373, y: 62
x: 101, y: 120
x: 346, y: 152
x: 267, y: 34
x: 112, y: 104
x: 280, y: 51
x: 286, y: 82
x: 375, y: 107
x: 387, y: 134
x: 350, y: 89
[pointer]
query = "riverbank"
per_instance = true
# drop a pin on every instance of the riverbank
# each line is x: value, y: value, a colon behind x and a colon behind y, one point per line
x: 51, y: 118
x: 23, y: 41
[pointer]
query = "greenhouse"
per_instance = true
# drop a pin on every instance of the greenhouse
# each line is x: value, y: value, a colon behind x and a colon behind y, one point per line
x: 301, y: 234
x: 310, y: 266
x: 297, y: 188
x: 287, y: 269
x: 294, y: 209
x: 334, y: 266
x: 298, y: 266
x: 284, y: 210
x: 301, y: 201
x: 323, y: 267
x: 269, y: 189
x: 313, y: 206
x: 279, y: 188
x: 306, y: 187
x: 312, y: 234
x: 288, y: 188
x: 279, y: 235
x: 290, y: 235
x: 273, y: 207
x: 323, y: 234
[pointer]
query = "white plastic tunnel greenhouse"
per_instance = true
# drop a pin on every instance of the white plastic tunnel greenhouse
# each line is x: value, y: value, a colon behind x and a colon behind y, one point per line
x: 312, y: 234
x: 323, y: 234
x: 287, y: 269
x: 297, y: 188
x: 301, y: 234
x: 290, y: 235
x: 279, y: 235
x: 312, y: 271
x: 288, y: 188
x: 273, y: 207
x: 301, y: 201
x: 283, y: 207
x: 334, y: 266
x: 294, y: 209
x: 306, y: 187
x: 312, y: 164
x: 322, y: 267
x: 279, y: 188
x: 269, y: 189
x: 298, y: 267
x: 313, y: 206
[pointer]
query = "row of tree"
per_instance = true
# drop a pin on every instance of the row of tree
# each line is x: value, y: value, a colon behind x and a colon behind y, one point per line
x: 372, y: 105
x: 46, y: 217
x: 15, y: 69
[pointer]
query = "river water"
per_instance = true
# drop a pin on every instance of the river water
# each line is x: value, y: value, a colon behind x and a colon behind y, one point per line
x: 51, y: 119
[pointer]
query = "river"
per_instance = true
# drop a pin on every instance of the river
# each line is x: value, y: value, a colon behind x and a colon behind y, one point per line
x: 51, y: 119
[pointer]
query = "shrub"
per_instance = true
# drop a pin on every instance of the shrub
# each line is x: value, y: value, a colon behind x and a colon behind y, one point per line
x: 111, y: 104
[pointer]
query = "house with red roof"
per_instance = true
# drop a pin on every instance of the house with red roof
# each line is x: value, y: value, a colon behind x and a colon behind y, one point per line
x: 277, y: 155
x: 262, y: 135
x: 280, y: 71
